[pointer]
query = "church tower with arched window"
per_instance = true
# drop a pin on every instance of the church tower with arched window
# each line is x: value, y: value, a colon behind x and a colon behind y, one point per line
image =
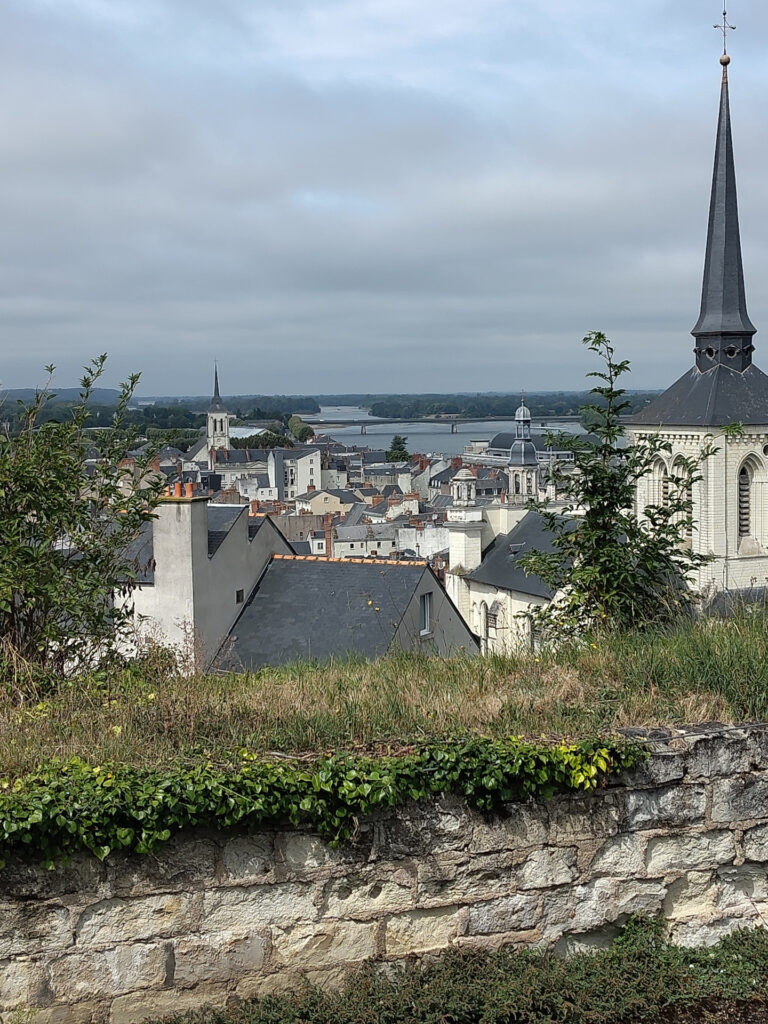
x: 721, y: 402
x: 217, y: 424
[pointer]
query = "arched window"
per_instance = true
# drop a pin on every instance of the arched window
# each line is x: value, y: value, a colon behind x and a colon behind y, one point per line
x: 517, y: 483
x: 681, y: 472
x: 660, y: 476
x: 745, y: 500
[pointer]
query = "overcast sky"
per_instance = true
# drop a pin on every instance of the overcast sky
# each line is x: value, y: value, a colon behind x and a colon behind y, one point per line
x: 367, y: 195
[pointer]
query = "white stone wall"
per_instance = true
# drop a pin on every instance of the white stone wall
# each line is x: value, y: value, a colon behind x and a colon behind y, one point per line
x: 736, y: 563
x: 212, y: 916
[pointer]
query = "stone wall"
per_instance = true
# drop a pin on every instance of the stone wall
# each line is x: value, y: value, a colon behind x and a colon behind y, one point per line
x: 212, y: 917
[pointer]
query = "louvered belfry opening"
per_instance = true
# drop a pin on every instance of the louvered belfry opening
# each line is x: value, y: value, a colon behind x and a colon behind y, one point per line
x: 745, y: 486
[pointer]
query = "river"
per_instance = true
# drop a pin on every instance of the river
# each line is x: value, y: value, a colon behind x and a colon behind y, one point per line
x: 427, y: 438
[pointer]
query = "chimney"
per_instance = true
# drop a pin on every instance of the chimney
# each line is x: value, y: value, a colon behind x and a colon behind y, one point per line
x: 456, y: 462
x: 328, y: 530
x: 177, y: 489
x: 310, y: 488
x: 189, y: 490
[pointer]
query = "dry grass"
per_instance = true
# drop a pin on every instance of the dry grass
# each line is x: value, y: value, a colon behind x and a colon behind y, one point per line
x: 703, y: 672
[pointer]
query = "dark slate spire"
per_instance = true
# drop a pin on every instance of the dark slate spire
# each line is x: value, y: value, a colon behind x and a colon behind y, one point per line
x: 216, y: 403
x: 723, y: 331
x: 724, y: 386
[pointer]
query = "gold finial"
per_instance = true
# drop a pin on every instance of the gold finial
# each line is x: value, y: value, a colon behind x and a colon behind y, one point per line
x: 725, y: 28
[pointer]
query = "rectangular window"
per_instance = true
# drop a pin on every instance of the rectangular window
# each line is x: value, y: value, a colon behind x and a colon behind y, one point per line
x: 425, y: 614
x: 239, y: 597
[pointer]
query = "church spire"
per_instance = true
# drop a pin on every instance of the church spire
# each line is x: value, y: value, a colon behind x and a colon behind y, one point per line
x: 216, y: 403
x: 723, y: 331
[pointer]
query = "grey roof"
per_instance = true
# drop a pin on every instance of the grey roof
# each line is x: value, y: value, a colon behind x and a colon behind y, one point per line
x: 724, y: 386
x: 368, y: 531
x: 221, y: 519
x: 500, y: 566
x: 302, y: 547
x: 307, y: 608
x: 356, y: 513
x: 710, y: 399
x: 345, y: 496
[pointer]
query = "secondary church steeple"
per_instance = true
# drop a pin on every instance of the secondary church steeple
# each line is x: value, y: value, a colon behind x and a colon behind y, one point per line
x: 217, y: 419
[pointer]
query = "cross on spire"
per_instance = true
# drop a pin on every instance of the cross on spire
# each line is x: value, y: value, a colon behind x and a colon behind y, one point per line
x: 725, y: 28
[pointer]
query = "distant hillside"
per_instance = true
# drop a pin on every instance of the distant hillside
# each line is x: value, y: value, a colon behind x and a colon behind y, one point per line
x: 99, y: 396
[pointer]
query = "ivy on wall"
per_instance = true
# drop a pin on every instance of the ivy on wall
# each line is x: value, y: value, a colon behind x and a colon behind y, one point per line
x: 69, y: 806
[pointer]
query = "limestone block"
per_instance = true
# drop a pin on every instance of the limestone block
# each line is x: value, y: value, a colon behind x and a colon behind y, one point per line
x: 692, y: 896
x: 184, y: 862
x: 707, y: 931
x: 422, y: 930
x: 83, y: 874
x: 590, y: 817
x: 325, y: 944
x: 546, y: 868
x: 755, y: 843
x: 523, y: 827
x: 361, y: 898
x: 580, y: 908
x: 248, y: 858
x: 672, y: 805
x: 718, y: 753
x: 689, y: 852
x: 145, y: 917
x: 31, y: 927
x: 216, y: 958
x: 139, y: 1006
x: 108, y: 972
x: 22, y: 984
x: 740, y: 799
x: 248, y: 909
x: 741, y: 887
x: 662, y: 767
x: 637, y: 897
x: 302, y: 853
x: 442, y: 880
x: 509, y: 914
x: 621, y: 856
x: 63, y: 1013
x: 586, y: 942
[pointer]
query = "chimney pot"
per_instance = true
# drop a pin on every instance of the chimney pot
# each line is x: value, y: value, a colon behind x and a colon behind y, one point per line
x: 177, y: 489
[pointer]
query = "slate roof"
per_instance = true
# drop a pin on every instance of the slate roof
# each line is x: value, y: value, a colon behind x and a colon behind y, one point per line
x: 221, y: 519
x: 315, y: 608
x: 710, y: 399
x: 356, y: 513
x: 500, y: 566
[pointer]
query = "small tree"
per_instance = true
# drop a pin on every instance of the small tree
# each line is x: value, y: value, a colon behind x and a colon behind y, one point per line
x: 397, y: 449
x: 71, y: 501
x: 300, y: 430
x: 610, y: 568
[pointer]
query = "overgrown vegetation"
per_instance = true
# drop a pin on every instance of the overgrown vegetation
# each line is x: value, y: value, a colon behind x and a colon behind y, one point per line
x: 70, y: 503
x: 709, y: 670
x: 70, y: 806
x: 611, y: 569
x: 641, y: 977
